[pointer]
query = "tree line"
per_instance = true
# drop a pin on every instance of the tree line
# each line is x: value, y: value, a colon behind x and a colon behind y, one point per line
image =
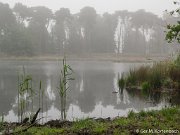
x: 37, y: 31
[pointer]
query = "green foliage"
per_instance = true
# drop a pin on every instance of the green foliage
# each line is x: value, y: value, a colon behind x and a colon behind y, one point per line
x: 146, y: 86
x: 173, y: 33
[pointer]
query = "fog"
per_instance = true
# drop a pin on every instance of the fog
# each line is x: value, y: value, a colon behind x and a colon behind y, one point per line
x: 27, y: 30
x: 101, y: 6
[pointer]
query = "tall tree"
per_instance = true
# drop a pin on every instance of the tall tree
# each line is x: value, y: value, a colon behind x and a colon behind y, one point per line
x: 87, y: 18
x: 7, y: 20
x: 7, y: 23
x: 63, y: 19
x: 75, y: 38
x: 22, y: 12
x: 38, y: 29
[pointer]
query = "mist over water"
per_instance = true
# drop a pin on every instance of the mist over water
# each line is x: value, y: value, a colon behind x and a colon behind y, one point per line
x: 90, y: 95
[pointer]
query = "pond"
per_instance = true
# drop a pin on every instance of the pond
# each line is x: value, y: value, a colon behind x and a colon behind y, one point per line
x: 91, y: 94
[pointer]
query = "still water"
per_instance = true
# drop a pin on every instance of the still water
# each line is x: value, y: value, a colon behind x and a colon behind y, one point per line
x: 91, y: 94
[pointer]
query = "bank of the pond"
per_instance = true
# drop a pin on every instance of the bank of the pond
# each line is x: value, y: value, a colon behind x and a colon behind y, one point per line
x: 165, y: 121
x: 91, y: 57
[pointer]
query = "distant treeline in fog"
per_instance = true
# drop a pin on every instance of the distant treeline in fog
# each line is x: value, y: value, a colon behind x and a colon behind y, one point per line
x: 37, y: 31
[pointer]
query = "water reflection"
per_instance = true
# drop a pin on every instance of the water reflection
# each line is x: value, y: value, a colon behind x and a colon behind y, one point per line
x: 90, y: 94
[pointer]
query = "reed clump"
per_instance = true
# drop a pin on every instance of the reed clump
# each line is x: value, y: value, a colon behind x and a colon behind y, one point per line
x: 25, y: 96
x: 159, y: 76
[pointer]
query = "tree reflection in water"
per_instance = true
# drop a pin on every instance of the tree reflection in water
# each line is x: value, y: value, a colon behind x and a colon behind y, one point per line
x: 90, y: 93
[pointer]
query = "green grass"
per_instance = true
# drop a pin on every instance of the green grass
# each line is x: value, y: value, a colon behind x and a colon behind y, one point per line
x: 122, y: 122
x: 100, y: 128
x: 43, y: 131
x: 83, y: 124
x: 90, y: 124
x: 131, y: 114
x: 167, y: 118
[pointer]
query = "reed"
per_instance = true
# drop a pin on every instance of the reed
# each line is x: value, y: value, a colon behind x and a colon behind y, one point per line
x: 146, y: 87
x: 41, y: 99
x: 65, y: 77
x: 156, y: 79
x: 42, y: 103
x: 161, y: 75
x: 121, y: 82
x: 142, y: 74
x: 25, y: 95
x: 131, y: 78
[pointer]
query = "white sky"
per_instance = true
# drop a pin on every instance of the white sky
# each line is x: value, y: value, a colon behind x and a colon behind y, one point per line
x: 101, y: 6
